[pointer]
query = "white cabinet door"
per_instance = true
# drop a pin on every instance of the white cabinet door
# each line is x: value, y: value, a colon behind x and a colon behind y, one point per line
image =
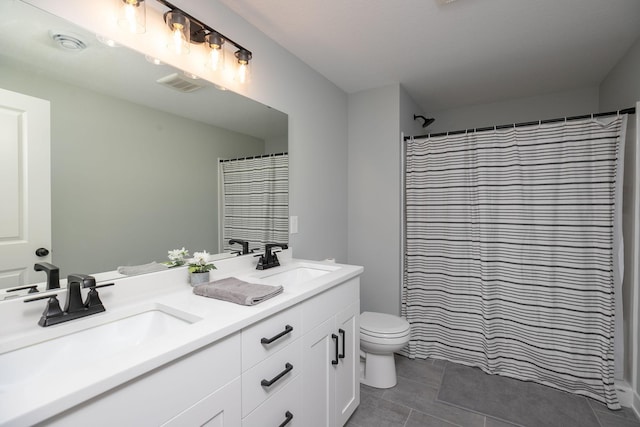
x: 331, y: 386
x: 348, y: 369
x: 25, y: 187
x: 319, y: 376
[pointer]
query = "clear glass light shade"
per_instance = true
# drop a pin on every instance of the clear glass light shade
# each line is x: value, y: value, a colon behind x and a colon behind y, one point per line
x: 215, y: 43
x: 243, y: 72
x: 180, y: 32
x: 132, y: 16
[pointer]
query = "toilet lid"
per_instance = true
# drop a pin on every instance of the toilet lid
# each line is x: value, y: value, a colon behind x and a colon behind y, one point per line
x: 382, y: 324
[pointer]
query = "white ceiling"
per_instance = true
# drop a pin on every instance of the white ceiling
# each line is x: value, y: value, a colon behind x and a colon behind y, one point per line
x: 449, y: 55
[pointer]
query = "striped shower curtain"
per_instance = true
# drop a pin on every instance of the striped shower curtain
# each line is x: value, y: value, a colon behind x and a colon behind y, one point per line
x: 511, y: 253
x: 255, y: 200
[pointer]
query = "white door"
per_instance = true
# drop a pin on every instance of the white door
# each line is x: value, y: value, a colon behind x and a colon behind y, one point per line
x: 25, y: 187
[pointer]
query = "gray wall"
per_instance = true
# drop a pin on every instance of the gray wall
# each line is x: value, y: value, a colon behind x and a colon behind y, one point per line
x: 376, y: 119
x: 621, y: 89
x: 547, y: 106
x: 374, y: 155
x: 129, y: 183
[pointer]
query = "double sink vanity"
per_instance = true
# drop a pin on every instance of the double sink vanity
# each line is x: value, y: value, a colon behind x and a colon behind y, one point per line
x: 160, y: 355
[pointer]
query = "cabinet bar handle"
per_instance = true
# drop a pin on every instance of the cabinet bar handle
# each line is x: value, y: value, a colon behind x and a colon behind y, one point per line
x: 335, y: 340
x: 287, y: 330
x: 341, y: 355
x: 268, y: 383
x: 288, y: 417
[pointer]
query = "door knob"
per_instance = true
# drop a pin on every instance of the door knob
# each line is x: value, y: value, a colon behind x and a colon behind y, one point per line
x: 42, y: 252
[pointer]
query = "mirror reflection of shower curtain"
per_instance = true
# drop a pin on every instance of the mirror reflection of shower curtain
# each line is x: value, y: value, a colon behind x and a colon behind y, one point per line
x: 254, y: 196
x: 511, y: 254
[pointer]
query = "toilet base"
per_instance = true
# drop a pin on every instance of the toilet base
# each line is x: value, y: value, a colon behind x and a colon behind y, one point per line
x: 378, y: 370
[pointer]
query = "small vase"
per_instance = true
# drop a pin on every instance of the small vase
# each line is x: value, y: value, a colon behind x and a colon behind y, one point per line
x: 198, y: 278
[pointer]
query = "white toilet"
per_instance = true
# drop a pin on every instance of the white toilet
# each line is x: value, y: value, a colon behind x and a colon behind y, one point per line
x: 380, y: 336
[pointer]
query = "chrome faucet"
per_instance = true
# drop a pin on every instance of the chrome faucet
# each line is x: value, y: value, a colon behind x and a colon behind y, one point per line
x: 270, y: 259
x: 74, y: 307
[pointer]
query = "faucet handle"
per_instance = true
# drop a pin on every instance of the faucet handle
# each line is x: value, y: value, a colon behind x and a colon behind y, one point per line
x: 93, y: 299
x: 33, y: 289
x: 52, y: 310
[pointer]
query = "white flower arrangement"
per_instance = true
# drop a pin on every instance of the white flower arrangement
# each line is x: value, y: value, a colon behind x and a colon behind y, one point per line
x: 177, y: 256
x: 200, y: 263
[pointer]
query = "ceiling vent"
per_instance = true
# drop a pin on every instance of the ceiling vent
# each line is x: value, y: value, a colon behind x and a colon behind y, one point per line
x: 67, y: 41
x: 180, y: 83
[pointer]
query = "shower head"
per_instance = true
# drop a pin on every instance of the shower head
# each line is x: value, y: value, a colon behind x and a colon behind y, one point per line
x: 426, y: 123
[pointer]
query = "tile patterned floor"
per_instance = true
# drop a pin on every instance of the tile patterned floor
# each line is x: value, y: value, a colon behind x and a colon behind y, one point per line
x: 415, y: 402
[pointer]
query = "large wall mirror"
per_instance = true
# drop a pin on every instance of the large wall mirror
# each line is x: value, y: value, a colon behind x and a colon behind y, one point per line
x: 134, y: 163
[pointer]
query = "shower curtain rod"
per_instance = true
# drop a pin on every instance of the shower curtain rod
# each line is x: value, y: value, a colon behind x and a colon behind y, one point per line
x: 253, y: 157
x: 631, y: 110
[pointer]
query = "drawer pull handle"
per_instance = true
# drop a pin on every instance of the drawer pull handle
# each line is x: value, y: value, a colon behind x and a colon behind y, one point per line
x: 288, y: 417
x: 335, y: 340
x: 341, y: 355
x: 287, y: 330
x: 268, y: 383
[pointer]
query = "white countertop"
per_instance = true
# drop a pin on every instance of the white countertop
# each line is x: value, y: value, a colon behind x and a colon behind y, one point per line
x: 57, y: 390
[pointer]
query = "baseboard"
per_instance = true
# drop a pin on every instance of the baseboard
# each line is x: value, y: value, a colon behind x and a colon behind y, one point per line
x: 627, y: 397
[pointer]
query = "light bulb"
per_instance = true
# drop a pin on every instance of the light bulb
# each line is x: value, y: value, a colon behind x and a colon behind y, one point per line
x: 215, y: 58
x: 242, y: 73
x: 132, y: 15
x: 177, y: 38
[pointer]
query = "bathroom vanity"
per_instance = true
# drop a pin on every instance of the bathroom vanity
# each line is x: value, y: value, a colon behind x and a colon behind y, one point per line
x: 161, y: 355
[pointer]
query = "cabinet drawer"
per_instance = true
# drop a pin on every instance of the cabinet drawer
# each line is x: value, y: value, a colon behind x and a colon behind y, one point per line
x: 221, y: 408
x: 279, y: 369
x: 285, y: 404
x: 281, y: 329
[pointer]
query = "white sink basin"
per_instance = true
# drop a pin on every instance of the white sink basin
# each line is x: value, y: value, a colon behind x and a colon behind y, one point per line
x: 298, y: 274
x: 88, y: 345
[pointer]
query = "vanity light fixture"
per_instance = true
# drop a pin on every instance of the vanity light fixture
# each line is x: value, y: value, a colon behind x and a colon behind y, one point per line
x: 186, y: 30
x: 132, y: 15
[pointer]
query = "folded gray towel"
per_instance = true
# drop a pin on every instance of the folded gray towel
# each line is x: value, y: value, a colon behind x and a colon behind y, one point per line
x: 132, y: 270
x: 237, y: 291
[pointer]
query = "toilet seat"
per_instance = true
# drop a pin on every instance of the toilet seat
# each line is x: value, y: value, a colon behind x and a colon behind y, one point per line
x: 383, y: 326
x: 367, y: 335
